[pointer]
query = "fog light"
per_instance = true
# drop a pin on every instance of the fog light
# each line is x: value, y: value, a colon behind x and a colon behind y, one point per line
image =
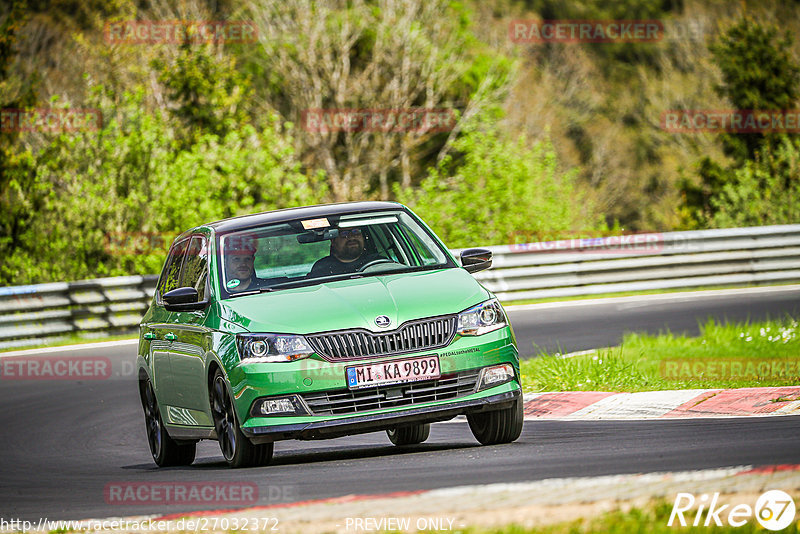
x: 495, y: 375
x: 271, y: 406
x: 278, y: 406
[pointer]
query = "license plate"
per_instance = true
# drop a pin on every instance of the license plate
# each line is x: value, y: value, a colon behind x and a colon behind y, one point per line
x: 393, y: 372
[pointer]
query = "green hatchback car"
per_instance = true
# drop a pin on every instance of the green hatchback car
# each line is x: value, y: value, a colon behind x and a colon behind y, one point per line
x: 321, y: 322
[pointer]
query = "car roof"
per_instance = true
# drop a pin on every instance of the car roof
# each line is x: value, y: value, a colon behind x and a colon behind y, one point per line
x: 308, y: 212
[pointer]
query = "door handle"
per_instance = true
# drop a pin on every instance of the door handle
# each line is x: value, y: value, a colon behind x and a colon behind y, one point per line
x: 149, y: 335
x: 169, y: 336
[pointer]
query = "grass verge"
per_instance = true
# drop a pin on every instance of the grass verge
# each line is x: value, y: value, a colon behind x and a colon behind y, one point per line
x: 733, y: 355
x: 651, y: 518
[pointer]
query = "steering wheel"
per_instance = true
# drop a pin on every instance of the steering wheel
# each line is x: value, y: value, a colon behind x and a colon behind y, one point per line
x: 376, y: 261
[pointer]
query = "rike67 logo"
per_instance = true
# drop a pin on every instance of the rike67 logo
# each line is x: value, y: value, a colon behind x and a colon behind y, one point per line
x: 774, y: 510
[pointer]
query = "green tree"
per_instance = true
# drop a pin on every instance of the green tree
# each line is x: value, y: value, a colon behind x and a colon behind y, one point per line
x: 765, y: 190
x: 111, y: 195
x: 207, y: 93
x: 20, y: 193
x: 758, y: 73
x: 500, y: 191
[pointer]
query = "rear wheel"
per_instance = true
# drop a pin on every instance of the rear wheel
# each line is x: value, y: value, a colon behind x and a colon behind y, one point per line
x: 498, y: 426
x: 409, y: 435
x: 236, y: 448
x: 165, y: 450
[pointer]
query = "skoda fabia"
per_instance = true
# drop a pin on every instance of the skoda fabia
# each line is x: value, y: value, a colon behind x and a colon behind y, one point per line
x: 320, y: 322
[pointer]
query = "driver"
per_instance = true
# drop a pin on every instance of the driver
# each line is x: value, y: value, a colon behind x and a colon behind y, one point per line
x: 239, y: 266
x: 347, y: 254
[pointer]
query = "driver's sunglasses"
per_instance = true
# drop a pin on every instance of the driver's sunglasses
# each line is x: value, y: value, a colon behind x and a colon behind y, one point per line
x: 355, y: 232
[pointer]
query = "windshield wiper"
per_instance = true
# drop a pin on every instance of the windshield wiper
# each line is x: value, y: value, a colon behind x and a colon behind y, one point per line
x: 245, y: 293
x: 253, y: 292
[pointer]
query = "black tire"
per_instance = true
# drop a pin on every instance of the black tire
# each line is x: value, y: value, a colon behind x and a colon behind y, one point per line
x: 166, y: 451
x: 498, y: 426
x: 409, y: 435
x: 236, y: 448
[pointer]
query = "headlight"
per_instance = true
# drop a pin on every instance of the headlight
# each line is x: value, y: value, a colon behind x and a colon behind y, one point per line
x: 485, y: 317
x: 270, y: 348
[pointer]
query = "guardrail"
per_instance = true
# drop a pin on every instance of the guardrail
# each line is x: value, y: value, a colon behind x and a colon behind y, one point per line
x: 638, y: 262
x: 46, y: 312
x: 738, y: 256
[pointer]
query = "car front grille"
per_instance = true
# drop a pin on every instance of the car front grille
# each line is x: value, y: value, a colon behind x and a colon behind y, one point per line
x: 345, y: 401
x: 413, y: 336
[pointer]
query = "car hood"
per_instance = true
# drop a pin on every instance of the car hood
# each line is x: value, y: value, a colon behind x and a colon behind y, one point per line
x: 356, y: 303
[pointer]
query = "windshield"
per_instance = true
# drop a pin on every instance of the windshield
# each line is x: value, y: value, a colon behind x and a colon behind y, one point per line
x: 311, y: 251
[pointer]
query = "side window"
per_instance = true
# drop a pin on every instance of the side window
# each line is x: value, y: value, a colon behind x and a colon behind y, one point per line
x: 172, y: 269
x: 195, y: 268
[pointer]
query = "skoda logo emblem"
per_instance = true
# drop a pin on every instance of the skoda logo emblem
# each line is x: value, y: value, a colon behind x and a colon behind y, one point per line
x: 382, y: 321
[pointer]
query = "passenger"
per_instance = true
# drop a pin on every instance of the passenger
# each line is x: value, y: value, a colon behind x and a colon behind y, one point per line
x: 240, y: 270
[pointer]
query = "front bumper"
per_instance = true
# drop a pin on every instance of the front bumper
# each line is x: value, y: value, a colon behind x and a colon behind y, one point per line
x: 333, y: 428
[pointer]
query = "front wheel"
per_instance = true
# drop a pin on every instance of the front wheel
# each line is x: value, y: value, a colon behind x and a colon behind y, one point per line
x: 236, y: 448
x: 498, y: 426
x: 409, y: 435
x: 166, y: 451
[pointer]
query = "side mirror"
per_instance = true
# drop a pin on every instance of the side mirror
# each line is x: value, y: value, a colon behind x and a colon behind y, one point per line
x: 183, y: 299
x: 476, y: 259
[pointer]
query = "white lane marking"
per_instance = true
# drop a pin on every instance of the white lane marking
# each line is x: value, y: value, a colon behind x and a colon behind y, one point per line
x: 684, y: 295
x: 603, y: 481
x: 84, y: 346
x: 793, y: 408
x: 640, y: 405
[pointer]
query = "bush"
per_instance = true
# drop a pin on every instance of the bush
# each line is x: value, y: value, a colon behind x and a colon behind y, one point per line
x: 130, y: 178
x: 763, y: 191
x: 500, y: 191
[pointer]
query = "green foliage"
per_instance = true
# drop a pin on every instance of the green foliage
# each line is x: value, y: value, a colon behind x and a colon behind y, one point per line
x: 760, y: 186
x: 19, y: 188
x: 763, y: 191
x: 498, y: 192
x: 208, y: 93
x: 616, y: 58
x: 201, y: 143
x: 130, y: 179
x: 759, y: 73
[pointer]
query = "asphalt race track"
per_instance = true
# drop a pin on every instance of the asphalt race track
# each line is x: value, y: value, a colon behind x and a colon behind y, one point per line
x: 577, y: 326
x: 63, y: 442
